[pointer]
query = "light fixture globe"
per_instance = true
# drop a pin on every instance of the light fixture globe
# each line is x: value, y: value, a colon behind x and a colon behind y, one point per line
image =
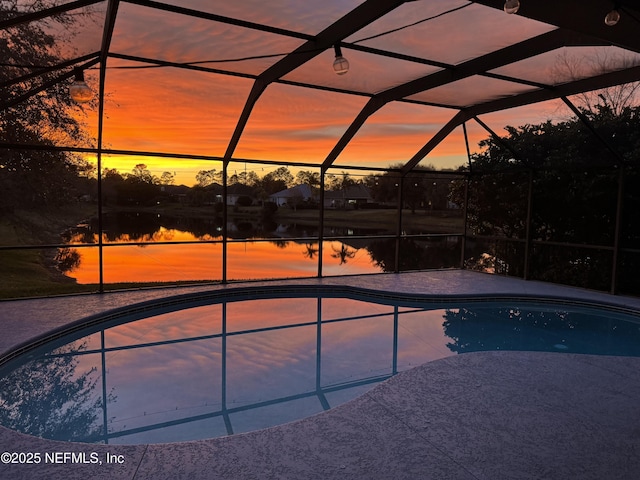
x: 612, y: 18
x: 511, y: 6
x: 340, y: 64
x: 79, y: 91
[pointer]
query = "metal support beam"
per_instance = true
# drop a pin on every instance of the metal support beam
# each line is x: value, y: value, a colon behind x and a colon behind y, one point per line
x: 605, y: 80
x: 528, y: 48
x: 399, y: 223
x: 528, y: 229
x: 107, y: 34
x: 258, y: 87
x: 525, y: 49
x: 585, y: 121
x: 355, y: 20
x: 463, y: 247
x: 617, y: 231
x: 218, y: 18
x: 498, y: 139
x: 109, y: 25
x: 463, y: 253
x: 40, y: 71
x: 101, y: 89
x: 372, y: 106
x: 48, y: 12
x: 225, y: 219
x: 458, y: 119
x: 323, y: 172
x: 41, y: 88
x: 585, y: 17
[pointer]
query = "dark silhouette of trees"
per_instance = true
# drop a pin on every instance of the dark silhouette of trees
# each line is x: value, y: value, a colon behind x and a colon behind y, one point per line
x: 307, y: 177
x: 30, y: 178
x: 339, y: 182
x: 310, y: 250
x: 67, y: 259
x: 167, y: 178
x: 384, y: 187
x: 425, y: 190
x: 112, y: 183
x: 276, y: 181
x: 48, y: 398
x: 140, y: 187
x: 422, y: 188
x: 414, y: 254
x: 574, y: 178
x: 572, y: 68
x: 245, y: 178
x: 344, y: 253
x: 208, y: 177
x: 475, y: 329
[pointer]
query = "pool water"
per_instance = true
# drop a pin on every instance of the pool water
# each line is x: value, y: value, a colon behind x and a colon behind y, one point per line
x: 236, y: 366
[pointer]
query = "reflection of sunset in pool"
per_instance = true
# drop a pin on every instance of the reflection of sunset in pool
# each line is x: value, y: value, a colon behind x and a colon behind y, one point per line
x: 202, y: 365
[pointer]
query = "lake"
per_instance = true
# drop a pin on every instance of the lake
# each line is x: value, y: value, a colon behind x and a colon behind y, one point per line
x: 148, y: 247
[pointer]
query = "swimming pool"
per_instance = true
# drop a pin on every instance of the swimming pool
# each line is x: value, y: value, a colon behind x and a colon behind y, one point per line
x: 220, y: 363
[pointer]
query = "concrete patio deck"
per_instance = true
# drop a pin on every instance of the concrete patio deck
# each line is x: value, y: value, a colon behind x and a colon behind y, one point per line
x: 489, y: 415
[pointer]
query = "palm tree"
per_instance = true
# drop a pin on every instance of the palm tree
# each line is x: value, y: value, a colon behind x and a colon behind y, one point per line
x: 311, y: 251
x: 343, y: 253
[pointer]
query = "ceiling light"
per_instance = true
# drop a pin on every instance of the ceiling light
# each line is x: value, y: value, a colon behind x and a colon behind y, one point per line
x: 612, y: 18
x: 340, y: 64
x: 79, y: 90
x: 511, y: 6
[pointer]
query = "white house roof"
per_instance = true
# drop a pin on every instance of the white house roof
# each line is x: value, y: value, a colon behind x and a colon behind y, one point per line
x: 303, y: 191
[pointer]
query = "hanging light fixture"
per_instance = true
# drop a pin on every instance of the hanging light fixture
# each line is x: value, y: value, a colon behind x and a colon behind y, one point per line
x: 340, y: 64
x: 511, y: 6
x: 79, y: 91
x: 612, y: 18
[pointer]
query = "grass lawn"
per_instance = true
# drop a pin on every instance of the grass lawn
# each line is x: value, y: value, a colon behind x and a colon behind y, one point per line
x: 445, y: 221
x: 436, y: 222
x: 25, y: 272
x: 25, y: 275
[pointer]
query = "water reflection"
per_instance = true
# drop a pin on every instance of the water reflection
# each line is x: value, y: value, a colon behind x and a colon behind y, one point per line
x: 232, y: 367
x: 67, y: 259
x: 311, y: 250
x: 160, y: 248
x: 130, y: 226
x: 343, y: 253
x: 508, y: 328
x: 57, y: 395
x: 149, y: 247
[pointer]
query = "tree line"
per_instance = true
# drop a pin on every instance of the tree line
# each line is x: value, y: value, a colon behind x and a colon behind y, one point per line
x: 423, y: 188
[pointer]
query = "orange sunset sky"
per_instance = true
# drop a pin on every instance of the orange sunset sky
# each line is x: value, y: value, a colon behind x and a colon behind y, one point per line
x: 174, y: 110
